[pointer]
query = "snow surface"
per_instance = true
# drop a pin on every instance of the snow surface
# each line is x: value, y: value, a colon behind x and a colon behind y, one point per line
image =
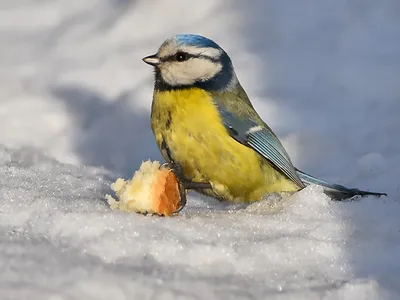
x: 74, y: 115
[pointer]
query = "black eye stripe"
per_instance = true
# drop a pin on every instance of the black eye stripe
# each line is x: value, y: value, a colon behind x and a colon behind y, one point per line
x: 208, y: 57
x: 172, y: 57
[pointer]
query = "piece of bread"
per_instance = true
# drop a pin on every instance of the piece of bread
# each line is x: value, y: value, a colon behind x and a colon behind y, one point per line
x: 153, y: 189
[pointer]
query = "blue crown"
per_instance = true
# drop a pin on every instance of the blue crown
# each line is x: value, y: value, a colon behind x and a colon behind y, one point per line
x: 195, y: 40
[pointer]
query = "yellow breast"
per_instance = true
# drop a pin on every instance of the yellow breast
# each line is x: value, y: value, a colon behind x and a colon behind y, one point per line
x: 189, y: 130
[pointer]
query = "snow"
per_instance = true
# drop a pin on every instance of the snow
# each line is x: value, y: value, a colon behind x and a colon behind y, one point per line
x: 75, y: 100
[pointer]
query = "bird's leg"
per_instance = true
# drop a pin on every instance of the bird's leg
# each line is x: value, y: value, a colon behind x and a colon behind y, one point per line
x: 183, y: 183
x: 189, y: 185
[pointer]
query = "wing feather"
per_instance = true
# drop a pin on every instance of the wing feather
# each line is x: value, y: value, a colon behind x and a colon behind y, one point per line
x: 261, y: 140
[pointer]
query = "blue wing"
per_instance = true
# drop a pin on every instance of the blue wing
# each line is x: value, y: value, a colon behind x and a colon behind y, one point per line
x: 261, y: 139
x: 248, y: 129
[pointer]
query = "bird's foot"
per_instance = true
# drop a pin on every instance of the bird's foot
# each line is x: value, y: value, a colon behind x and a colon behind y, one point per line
x: 177, y: 170
x: 183, y: 183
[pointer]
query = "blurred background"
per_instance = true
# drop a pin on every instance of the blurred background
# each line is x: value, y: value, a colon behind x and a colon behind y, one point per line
x: 323, y: 74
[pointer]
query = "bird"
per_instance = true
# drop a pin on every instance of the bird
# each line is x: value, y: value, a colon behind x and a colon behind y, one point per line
x: 207, y: 128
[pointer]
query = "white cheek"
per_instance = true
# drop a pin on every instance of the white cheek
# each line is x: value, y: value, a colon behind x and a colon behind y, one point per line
x: 188, y: 72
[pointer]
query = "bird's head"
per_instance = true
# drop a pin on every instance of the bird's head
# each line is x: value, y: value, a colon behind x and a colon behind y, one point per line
x: 188, y: 60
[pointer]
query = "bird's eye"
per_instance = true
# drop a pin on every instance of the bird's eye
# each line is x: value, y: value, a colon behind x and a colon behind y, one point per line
x: 181, y: 56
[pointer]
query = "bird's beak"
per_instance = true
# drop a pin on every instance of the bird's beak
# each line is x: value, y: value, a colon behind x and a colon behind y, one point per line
x: 152, y: 60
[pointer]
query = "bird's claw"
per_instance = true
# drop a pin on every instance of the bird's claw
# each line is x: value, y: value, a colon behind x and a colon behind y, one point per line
x: 183, y: 183
x: 177, y: 170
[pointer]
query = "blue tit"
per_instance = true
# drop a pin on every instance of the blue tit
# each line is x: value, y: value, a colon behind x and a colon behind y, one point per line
x: 205, y: 124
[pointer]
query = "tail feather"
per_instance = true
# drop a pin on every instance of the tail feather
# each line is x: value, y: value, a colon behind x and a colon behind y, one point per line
x: 335, y: 191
